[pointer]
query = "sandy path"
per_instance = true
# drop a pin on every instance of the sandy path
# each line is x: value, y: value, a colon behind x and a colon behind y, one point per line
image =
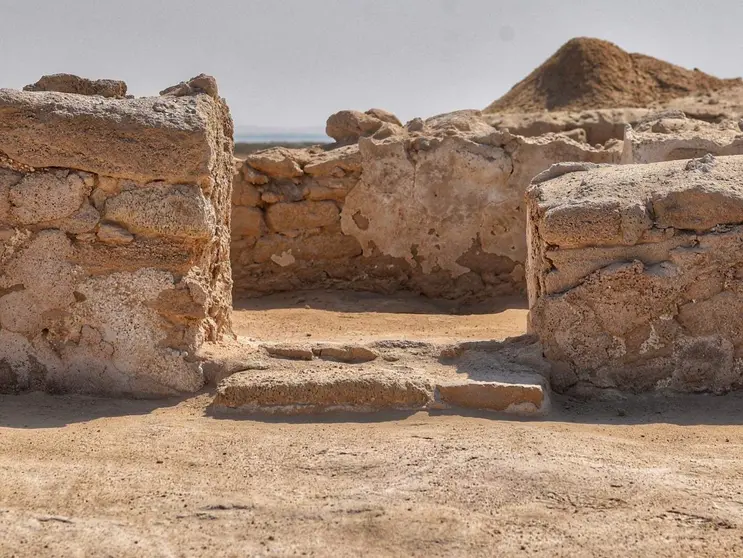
x: 350, y: 316
x: 99, y: 477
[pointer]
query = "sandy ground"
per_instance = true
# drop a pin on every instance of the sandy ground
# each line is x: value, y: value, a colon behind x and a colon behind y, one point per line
x: 351, y: 316
x: 95, y: 477
x: 98, y: 477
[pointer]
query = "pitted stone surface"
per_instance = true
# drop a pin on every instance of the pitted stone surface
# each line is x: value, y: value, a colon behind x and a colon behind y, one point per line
x: 114, y: 240
x: 145, y: 139
x: 435, y: 207
x: 634, y: 275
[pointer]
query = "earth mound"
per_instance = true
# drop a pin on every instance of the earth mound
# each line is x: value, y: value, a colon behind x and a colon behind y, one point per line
x: 588, y: 73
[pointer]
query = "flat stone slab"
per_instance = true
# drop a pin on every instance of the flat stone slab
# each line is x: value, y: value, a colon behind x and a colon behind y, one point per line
x: 501, y: 377
x: 162, y: 138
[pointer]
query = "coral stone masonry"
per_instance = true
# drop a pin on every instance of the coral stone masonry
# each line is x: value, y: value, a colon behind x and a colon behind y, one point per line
x: 114, y: 237
x: 435, y: 207
x: 636, y: 274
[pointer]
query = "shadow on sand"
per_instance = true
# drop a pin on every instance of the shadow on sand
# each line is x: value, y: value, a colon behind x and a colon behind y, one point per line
x: 41, y: 410
x: 361, y: 302
x: 38, y: 410
x: 679, y: 410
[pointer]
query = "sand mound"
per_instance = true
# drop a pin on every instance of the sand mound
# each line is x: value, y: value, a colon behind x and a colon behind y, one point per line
x: 592, y: 74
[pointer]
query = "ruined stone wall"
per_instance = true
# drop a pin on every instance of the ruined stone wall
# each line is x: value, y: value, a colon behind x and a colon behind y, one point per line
x: 636, y: 274
x: 670, y: 136
x: 435, y: 207
x: 114, y: 237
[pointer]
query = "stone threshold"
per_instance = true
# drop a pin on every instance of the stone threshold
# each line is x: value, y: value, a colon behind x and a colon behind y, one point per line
x: 498, y: 376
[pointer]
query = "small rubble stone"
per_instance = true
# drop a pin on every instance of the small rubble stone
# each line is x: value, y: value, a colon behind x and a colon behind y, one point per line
x: 114, y: 234
x: 200, y: 84
x: 247, y: 221
x: 277, y: 162
x: 384, y: 116
x: 349, y: 125
x: 291, y: 352
x: 349, y: 354
x: 68, y: 83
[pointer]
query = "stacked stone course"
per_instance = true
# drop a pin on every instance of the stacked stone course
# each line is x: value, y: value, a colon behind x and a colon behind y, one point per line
x: 114, y: 238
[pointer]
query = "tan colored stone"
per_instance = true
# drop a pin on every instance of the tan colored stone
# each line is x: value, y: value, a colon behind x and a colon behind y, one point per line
x: 670, y: 136
x: 346, y: 158
x: 348, y: 353
x: 279, y: 392
x: 616, y: 309
x: 87, y: 306
x: 276, y: 162
x: 247, y: 221
x: 200, y: 84
x: 384, y: 116
x: 114, y: 234
x: 349, y: 125
x: 492, y: 396
x: 68, y: 83
x: 46, y: 196
x: 131, y: 138
x: 316, y: 192
x: 293, y: 352
x: 252, y: 176
x: 163, y: 210
x: 301, y: 215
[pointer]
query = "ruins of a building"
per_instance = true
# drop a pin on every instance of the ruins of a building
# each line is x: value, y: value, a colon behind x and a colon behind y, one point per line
x: 118, y: 221
x: 114, y: 238
x: 435, y: 207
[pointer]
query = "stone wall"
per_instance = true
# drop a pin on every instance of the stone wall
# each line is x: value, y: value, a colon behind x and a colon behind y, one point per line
x: 435, y: 207
x: 636, y: 274
x: 671, y: 136
x: 114, y: 237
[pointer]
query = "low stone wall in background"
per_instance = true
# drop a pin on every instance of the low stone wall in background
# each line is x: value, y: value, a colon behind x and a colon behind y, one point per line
x: 435, y: 207
x: 114, y: 236
x: 671, y: 136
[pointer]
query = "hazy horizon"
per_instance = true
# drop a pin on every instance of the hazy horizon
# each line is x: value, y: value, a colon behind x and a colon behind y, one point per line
x: 291, y: 63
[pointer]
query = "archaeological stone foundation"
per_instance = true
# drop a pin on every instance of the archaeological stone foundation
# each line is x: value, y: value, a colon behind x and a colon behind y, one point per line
x: 114, y: 238
x: 126, y: 226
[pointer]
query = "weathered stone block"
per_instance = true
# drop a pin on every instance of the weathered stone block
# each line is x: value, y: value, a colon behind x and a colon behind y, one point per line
x: 114, y: 265
x: 633, y: 275
x: 301, y: 215
x: 247, y: 221
x: 134, y: 139
x: 669, y: 136
x: 276, y: 162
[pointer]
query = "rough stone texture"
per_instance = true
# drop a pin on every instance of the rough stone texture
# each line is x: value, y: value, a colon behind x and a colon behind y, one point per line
x: 491, y: 376
x: 635, y: 275
x: 114, y: 241
x: 199, y: 84
x: 68, y: 83
x: 670, y: 135
x: 599, y: 126
x: 436, y: 207
x: 349, y: 125
x: 169, y: 139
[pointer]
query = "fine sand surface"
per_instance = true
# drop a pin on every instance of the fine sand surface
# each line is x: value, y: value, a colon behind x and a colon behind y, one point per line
x: 358, y: 316
x: 84, y: 476
x: 95, y: 477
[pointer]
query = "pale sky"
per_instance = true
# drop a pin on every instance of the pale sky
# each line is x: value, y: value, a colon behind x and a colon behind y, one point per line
x: 291, y: 63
